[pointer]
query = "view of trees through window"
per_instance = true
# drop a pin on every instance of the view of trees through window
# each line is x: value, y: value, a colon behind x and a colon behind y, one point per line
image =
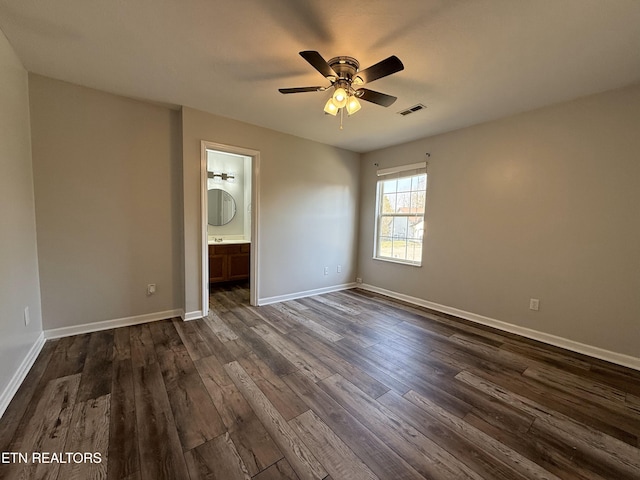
x: 400, y: 229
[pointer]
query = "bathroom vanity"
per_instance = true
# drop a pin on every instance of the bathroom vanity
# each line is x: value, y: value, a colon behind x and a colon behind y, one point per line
x: 229, y: 261
x: 229, y: 252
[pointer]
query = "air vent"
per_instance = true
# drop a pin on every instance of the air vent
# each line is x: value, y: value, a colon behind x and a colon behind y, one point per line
x: 414, y: 109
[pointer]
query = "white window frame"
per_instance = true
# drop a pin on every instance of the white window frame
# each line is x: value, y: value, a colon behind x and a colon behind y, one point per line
x: 404, y: 171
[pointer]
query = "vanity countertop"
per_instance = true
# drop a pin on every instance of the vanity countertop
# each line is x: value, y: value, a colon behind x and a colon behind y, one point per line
x: 228, y: 242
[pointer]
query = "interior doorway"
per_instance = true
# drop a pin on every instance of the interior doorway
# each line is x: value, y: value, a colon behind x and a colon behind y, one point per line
x: 230, y: 220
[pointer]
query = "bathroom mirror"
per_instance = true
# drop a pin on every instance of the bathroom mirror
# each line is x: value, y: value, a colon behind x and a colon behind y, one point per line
x: 222, y: 207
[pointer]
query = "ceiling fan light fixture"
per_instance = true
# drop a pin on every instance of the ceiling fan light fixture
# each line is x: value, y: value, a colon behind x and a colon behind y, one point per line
x: 340, y: 97
x: 353, y: 105
x: 330, y: 107
x: 345, y: 78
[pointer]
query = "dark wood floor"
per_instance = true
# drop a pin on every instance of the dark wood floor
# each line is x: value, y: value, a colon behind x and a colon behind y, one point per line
x: 338, y: 386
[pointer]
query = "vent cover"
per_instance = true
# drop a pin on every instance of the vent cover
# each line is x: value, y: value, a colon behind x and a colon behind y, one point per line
x: 410, y: 110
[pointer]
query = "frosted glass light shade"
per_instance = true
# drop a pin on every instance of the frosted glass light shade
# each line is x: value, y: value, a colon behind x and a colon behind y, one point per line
x: 353, y: 105
x: 340, y: 97
x: 330, y: 107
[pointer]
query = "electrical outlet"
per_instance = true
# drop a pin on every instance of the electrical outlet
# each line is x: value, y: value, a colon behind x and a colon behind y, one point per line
x: 326, y: 270
x: 358, y: 280
x: 534, y: 304
x: 151, y: 289
x: 339, y: 269
x: 27, y: 317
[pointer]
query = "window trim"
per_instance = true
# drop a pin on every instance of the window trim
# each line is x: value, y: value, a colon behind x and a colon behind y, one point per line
x: 405, y: 171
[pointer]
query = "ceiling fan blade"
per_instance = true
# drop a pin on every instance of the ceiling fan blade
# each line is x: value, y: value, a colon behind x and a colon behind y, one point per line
x: 375, y: 97
x: 301, y: 89
x: 381, y: 69
x: 319, y: 63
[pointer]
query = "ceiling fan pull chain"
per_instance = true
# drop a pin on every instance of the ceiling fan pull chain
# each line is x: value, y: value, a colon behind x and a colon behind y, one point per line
x: 341, y: 117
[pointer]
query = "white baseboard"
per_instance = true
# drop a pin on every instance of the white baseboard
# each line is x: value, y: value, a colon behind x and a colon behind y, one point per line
x: 195, y: 315
x: 18, y: 377
x: 590, y: 350
x: 108, y: 324
x: 306, y: 293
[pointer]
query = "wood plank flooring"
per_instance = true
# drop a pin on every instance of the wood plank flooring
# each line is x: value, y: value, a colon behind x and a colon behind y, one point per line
x: 347, y: 385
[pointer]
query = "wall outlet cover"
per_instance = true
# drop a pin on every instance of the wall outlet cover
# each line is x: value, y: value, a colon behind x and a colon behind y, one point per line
x: 534, y: 304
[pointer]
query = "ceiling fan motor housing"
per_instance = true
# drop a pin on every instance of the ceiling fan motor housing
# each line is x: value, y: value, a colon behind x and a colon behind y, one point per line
x: 344, y: 74
x: 346, y: 68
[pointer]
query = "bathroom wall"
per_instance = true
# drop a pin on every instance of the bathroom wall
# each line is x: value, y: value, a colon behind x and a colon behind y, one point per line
x: 247, y: 198
x: 224, y: 162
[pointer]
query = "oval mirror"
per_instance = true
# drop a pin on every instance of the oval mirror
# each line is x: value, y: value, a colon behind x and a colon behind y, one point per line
x: 222, y: 207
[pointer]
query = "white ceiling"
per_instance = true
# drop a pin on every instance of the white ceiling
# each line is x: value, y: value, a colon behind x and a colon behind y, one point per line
x: 468, y: 60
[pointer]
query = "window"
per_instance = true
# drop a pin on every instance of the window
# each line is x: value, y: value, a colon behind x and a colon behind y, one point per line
x: 400, y: 224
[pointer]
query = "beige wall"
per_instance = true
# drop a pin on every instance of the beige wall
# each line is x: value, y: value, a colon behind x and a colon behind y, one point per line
x: 308, y: 206
x: 545, y: 204
x: 108, y: 186
x: 107, y: 176
x: 19, y: 282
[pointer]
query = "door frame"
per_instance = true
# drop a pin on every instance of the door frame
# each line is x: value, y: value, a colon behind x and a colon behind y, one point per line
x: 254, y: 286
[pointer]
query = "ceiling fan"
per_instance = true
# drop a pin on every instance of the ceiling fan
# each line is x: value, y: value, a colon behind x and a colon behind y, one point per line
x: 346, y: 77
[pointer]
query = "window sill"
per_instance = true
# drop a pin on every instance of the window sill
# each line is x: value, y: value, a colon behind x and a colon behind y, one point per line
x: 401, y: 262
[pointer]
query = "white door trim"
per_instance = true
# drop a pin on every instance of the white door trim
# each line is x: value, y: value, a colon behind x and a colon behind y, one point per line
x: 255, y: 218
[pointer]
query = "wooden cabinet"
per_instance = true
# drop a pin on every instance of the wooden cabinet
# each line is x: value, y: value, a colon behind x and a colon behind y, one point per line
x: 228, y: 262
